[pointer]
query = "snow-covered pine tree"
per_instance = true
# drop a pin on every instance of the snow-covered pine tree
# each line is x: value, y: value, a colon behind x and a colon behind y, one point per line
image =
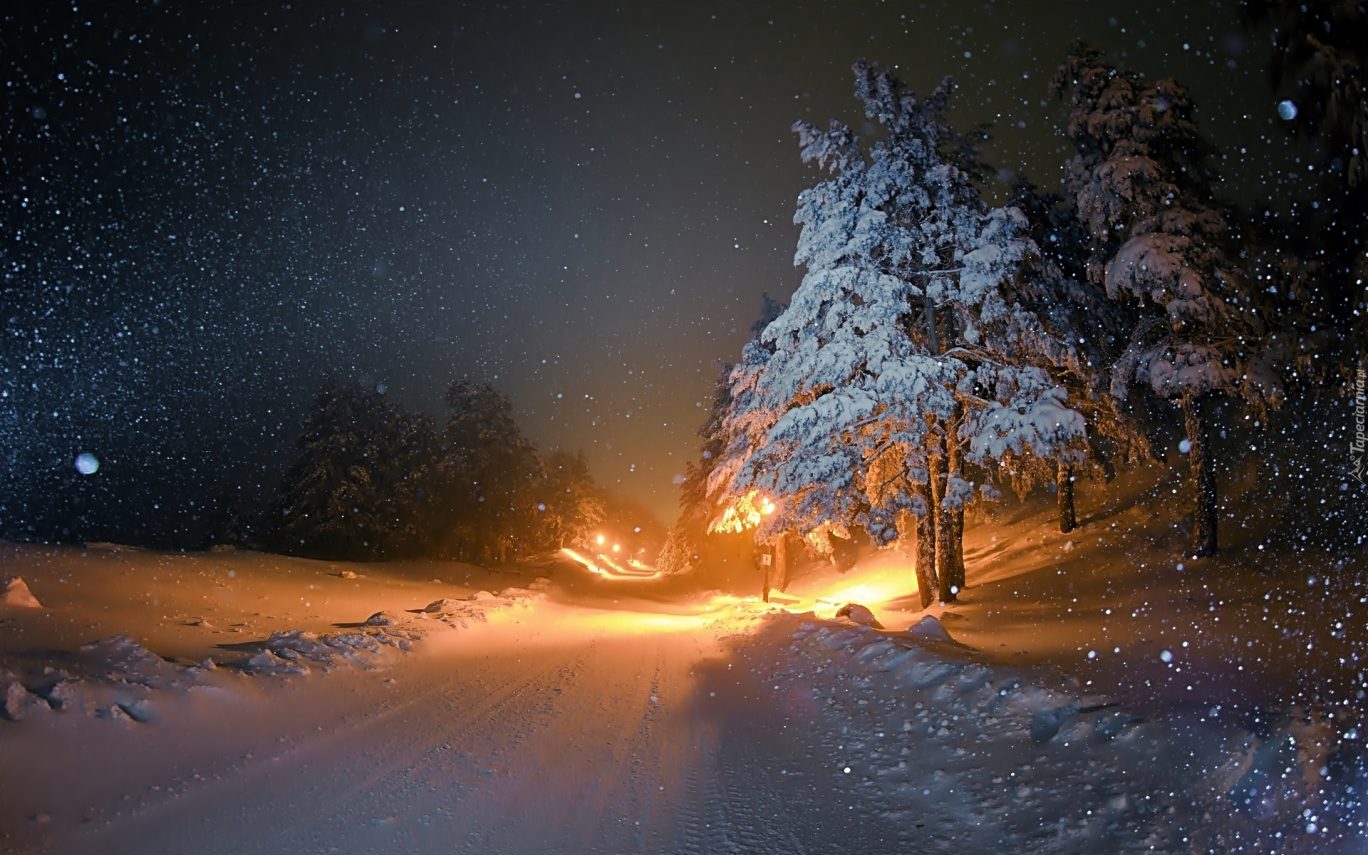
x: 1142, y: 186
x: 354, y: 491
x: 1086, y: 333
x: 490, y: 473
x: 861, y: 401
x: 573, y: 506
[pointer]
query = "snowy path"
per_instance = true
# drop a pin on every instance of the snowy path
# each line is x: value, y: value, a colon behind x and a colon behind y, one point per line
x: 559, y: 737
x: 567, y: 729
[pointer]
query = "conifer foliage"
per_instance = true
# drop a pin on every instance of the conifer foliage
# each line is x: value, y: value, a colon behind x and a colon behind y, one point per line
x: 372, y: 481
x: 1141, y: 183
x: 902, y: 374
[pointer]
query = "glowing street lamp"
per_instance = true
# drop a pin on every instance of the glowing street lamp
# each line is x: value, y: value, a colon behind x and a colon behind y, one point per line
x: 746, y: 514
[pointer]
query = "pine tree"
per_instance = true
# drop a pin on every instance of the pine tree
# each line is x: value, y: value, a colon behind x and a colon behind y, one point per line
x: 900, y: 359
x: 1315, y: 255
x: 489, y: 474
x: 1086, y: 333
x: 572, y: 507
x: 353, y: 491
x: 1142, y: 186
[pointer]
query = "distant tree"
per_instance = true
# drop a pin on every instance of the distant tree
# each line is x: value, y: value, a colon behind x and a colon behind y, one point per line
x: 348, y: 494
x: 901, y: 357
x: 572, y: 507
x: 1141, y: 183
x: 680, y: 552
x: 489, y: 476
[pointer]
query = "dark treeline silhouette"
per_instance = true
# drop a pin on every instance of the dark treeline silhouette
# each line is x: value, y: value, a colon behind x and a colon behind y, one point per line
x: 372, y: 481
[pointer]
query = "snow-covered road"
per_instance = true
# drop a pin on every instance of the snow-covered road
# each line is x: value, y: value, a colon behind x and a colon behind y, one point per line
x: 581, y: 732
x: 640, y: 728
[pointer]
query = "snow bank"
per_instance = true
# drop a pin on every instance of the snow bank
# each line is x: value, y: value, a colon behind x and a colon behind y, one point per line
x: 118, y: 678
x: 113, y: 678
x: 297, y: 652
x: 1015, y: 759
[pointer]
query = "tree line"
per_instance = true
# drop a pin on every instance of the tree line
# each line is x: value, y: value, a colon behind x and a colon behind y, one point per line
x: 939, y: 346
x: 373, y: 481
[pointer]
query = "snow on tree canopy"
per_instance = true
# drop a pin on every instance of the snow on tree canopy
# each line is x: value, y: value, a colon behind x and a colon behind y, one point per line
x: 901, y: 333
x: 1143, y: 189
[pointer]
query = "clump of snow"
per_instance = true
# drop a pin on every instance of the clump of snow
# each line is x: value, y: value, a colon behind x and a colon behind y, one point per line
x: 929, y: 628
x: 18, y: 702
x: 298, y: 652
x: 14, y: 591
x: 446, y: 604
x: 856, y: 613
x: 120, y: 659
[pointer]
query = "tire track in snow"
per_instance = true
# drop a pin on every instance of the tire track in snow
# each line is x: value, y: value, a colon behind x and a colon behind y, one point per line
x: 234, y: 813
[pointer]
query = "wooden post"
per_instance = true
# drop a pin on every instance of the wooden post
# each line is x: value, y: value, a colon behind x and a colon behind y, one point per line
x: 767, y: 565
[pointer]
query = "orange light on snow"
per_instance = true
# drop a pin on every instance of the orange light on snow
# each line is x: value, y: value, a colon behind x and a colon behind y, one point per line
x: 607, y: 567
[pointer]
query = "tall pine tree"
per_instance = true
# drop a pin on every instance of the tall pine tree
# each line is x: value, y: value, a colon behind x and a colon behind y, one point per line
x: 1142, y: 184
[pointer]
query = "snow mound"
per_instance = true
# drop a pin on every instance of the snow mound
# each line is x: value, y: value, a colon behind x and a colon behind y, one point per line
x: 444, y: 605
x: 120, y: 659
x: 14, y: 591
x: 297, y: 652
x: 18, y: 702
x: 856, y: 613
x: 382, y: 619
x: 461, y: 613
x: 929, y: 628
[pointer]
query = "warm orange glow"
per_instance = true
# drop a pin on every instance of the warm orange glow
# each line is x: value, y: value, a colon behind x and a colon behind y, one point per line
x: 877, y: 582
x: 607, y: 567
x: 746, y: 514
x: 600, y: 540
x: 580, y: 559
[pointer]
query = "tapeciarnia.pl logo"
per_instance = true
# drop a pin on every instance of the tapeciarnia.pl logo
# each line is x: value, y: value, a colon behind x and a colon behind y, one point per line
x: 1360, y: 441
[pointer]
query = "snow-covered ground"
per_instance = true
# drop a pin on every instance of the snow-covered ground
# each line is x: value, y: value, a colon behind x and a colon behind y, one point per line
x: 235, y: 702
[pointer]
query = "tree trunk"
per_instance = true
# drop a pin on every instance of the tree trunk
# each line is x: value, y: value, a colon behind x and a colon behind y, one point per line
x: 1064, y: 492
x: 1203, y: 478
x: 946, y: 584
x: 920, y: 527
x: 954, y: 551
x: 781, y: 561
x: 930, y: 308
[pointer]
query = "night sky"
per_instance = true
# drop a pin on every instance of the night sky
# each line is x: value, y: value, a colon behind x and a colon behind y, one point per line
x: 210, y: 206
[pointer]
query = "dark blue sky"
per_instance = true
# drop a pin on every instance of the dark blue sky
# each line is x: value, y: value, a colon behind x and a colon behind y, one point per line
x: 208, y: 206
